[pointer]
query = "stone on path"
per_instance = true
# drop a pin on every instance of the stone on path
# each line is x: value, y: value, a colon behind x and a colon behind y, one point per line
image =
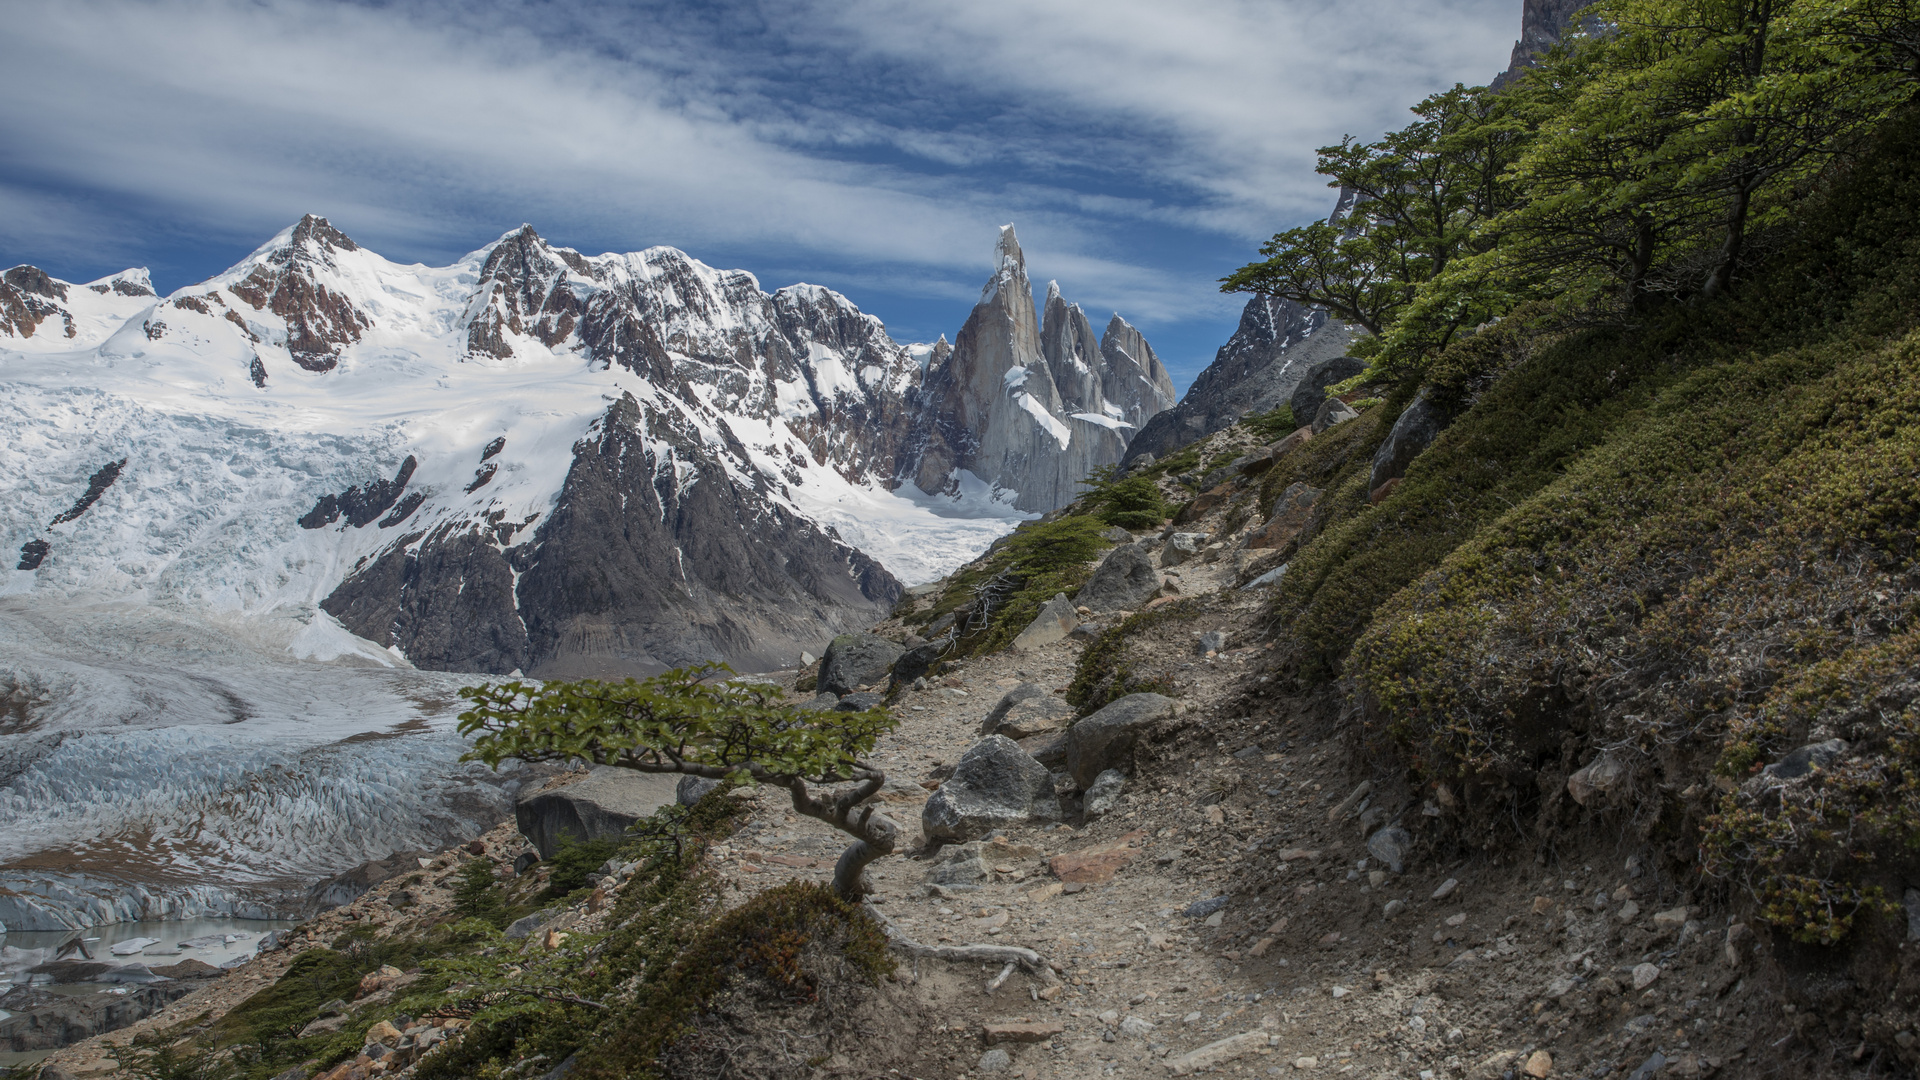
x: 1096, y: 865
x: 1124, y: 581
x: 1056, y: 620
x: 856, y: 660
x: 1219, y: 1053
x: 1104, y: 795
x: 995, y: 785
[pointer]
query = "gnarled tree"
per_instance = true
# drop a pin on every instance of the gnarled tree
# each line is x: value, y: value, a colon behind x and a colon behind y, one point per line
x: 688, y: 721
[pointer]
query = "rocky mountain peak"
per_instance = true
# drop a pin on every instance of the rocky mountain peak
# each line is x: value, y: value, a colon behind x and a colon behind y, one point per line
x: 1030, y: 401
x: 315, y: 233
x: 32, y: 279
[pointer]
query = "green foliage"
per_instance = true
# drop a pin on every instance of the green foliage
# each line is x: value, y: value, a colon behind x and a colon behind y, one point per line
x: 1271, y: 426
x: 779, y: 940
x: 478, y: 895
x: 679, y: 721
x: 1104, y: 672
x: 1133, y: 503
x: 1639, y: 539
x: 568, y: 869
x: 1003, y: 592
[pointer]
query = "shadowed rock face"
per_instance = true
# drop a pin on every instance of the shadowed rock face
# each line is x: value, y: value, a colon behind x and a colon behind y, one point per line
x: 1030, y: 406
x: 30, y: 297
x: 1542, y: 22
x: 654, y: 556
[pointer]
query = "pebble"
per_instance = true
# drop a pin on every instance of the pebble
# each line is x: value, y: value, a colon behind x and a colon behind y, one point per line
x: 1629, y: 911
x: 1539, y: 1064
x: 1644, y: 975
x: 1394, y: 907
x: 1446, y: 889
x: 993, y: 1061
x: 1340, y: 992
x: 1306, y: 1063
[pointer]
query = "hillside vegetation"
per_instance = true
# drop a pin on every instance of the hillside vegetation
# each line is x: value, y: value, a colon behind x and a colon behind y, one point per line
x: 1667, y: 286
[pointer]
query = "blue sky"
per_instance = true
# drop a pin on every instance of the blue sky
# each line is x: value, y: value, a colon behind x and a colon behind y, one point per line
x: 1143, y: 148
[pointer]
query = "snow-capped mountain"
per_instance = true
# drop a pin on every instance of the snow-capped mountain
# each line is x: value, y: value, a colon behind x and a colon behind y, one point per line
x: 248, y: 513
x: 1031, y: 405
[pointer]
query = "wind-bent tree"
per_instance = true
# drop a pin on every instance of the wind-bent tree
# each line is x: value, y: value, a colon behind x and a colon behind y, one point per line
x: 686, y: 722
x: 1414, y: 201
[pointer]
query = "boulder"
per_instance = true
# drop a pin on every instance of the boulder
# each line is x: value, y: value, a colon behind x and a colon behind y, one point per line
x: 1055, y: 621
x: 1182, y: 546
x: 1416, y: 429
x: 1292, y: 513
x: 599, y: 807
x: 995, y: 784
x: 1025, y: 691
x: 1105, y: 793
x: 917, y: 661
x: 688, y: 791
x: 1028, y: 717
x: 1048, y: 749
x: 1333, y: 412
x: 1312, y: 389
x: 1114, y: 534
x: 856, y: 660
x: 1124, y: 581
x: 1105, y: 739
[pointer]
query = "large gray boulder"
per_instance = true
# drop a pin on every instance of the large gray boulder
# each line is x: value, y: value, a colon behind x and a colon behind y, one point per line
x: 1105, y: 740
x: 1416, y: 429
x: 599, y: 807
x: 1055, y: 621
x: 1125, y: 580
x: 856, y: 660
x: 1312, y: 390
x: 1182, y: 546
x: 917, y: 661
x: 995, y: 785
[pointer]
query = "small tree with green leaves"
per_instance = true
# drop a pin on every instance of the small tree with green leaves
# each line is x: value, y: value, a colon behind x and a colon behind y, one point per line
x: 690, y: 721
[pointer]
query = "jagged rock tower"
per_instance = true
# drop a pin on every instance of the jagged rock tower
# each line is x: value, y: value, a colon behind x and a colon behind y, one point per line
x: 1034, y: 407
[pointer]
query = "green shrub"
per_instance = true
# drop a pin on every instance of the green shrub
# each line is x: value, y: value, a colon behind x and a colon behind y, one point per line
x: 1133, y: 503
x: 478, y: 895
x: 1271, y: 426
x: 1104, y: 673
x: 570, y: 865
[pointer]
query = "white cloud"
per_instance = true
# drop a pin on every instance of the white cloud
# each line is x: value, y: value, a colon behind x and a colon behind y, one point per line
x: 430, y: 127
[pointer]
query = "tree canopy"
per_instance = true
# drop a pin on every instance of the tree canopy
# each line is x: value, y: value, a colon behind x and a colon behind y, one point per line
x: 1639, y: 162
x: 693, y: 722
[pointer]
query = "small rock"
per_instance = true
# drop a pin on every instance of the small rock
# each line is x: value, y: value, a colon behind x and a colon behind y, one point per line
x: 1735, y: 951
x: 1105, y: 793
x: 1671, y: 919
x: 1644, y: 975
x: 1200, y: 909
x: 1629, y: 911
x: 1539, y: 1064
x: 1649, y: 1067
x: 690, y: 789
x: 1446, y: 889
x: 1598, y: 778
x: 1543, y: 905
x: 1394, y: 908
x: 1216, y: 918
x: 993, y: 1061
x: 1213, y: 641
x: 1307, y: 1062
x: 1376, y: 878
x: 384, y: 1033
x: 1347, y: 804
x: 1805, y: 760
x: 1391, y: 846
x: 1340, y: 992
x: 1019, y: 1032
x: 962, y: 866
x: 1138, y: 1027
x: 1181, y: 547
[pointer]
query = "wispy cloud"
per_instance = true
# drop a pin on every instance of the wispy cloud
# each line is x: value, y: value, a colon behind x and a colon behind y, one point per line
x: 1136, y: 143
